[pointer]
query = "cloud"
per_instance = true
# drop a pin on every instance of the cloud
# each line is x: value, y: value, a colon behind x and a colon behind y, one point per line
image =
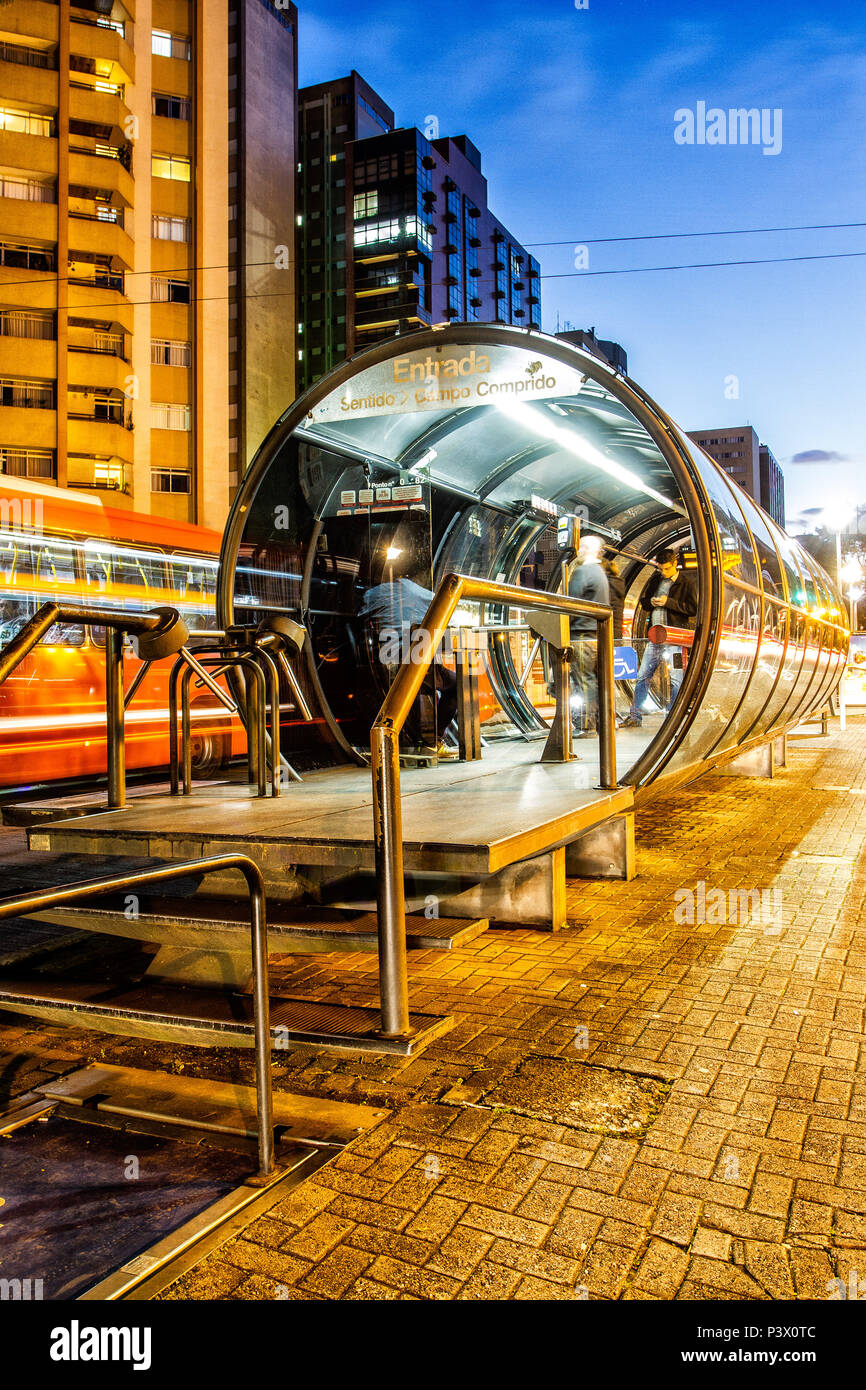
x: 818, y: 456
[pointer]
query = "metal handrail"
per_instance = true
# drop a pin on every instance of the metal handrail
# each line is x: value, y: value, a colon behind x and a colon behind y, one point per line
x: 116, y: 624
x: 24, y: 903
x: 385, y: 762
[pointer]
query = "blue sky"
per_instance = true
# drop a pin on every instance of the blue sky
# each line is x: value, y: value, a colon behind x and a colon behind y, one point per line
x: 573, y: 111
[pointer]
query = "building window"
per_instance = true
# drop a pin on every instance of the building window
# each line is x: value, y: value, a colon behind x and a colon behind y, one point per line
x: 176, y: 108
x: 167, y: 352
x: 38, y: 394
x: 164, y: 290
x: 366, y: 204
x: 169, y: 417
x: 26, y: 323
x: 29, y: 57
x: 165, y: 228
x: 392, y: 230
x: 95, y: 405
x: 167, y: 45
x: 170, y: 166
x: 25, y: 122
x: 27, y: 463
x: 28, y: 190
x: 97, y: 470
x: 27, y: 257
x: 90, y: 268
x: 169, y: 480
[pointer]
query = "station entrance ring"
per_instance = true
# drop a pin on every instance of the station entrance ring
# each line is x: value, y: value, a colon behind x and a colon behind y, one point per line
x: 464, y: 449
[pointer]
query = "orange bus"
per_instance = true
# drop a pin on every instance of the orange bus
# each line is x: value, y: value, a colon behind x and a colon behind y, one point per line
x: 69, y: 547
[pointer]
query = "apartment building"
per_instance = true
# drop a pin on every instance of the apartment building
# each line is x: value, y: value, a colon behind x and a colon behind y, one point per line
x: 395, y: 231
x: 738, y: 451
x: 130, y: 153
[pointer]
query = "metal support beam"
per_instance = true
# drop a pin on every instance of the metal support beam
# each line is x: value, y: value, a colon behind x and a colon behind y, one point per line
x: 757, y: 762
x: 559, y: 747
x: 528, y: 894
x: 114, y: 708
x: 468, y: 704
x: 606, y: 851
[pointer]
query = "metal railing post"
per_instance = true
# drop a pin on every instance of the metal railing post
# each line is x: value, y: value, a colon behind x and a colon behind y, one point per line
x: 606, y: 703
x: 390, y: 892
x: 114, y: 708
x: 23, y: 903
x: 385, y: 764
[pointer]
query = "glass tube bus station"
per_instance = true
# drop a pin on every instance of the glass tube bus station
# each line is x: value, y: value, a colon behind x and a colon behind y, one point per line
x: 460, y: 450
x: 397, y: 628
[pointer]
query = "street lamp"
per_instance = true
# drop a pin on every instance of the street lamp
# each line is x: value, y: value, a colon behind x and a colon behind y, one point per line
x: 852, y: 574
x: 836, y: 517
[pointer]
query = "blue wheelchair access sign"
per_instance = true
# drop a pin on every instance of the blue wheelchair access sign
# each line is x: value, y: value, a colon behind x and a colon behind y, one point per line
x: 624, y: 664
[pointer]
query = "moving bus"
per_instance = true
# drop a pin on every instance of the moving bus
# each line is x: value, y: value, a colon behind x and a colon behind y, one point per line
x: 70, y: 547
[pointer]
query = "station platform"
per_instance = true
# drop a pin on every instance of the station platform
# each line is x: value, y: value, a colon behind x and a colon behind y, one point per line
x: 461, y: 817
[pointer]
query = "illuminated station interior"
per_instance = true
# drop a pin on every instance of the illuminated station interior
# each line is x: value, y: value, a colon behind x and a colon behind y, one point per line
x: 489, y: 452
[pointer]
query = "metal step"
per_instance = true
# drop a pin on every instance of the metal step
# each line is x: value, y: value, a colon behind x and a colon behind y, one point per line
x: 213, y: 1018
x: 223, y: 924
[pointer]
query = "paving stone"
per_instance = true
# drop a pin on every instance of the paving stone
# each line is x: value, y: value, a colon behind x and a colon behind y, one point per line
x: 746, y: 1176
x: 662, y: 1269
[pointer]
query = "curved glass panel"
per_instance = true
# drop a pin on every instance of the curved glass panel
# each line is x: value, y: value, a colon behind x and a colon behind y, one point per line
x: 492, y: 452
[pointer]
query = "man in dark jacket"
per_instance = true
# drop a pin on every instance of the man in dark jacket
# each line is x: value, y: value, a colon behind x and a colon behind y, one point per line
x: 588, y: 581
x: 671, y: 599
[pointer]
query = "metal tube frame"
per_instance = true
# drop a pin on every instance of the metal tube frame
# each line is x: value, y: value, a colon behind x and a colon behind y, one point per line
x: 256, y: 714
x: 116, y: 625
x: 24, y: 903
x: 385, y: 762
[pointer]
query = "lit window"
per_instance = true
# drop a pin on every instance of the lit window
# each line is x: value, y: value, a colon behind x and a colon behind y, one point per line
x: 170, y: 166
x: 366, y: 204
x: 168, y: 45
x: 25, y: 122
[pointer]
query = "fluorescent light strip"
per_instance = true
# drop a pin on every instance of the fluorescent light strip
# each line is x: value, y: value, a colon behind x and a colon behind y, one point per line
x: 586, y: 452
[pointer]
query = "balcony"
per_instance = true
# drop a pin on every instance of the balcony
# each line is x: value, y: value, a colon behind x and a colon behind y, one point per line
x: 26, y: 427
x: 35, y: 153
x: 40, y: 355
x: 100, y: 108
x: 35, y: 20
x: 90, y: 473
x: 92, y: 40
x: 99, y: 301
x: 99, y: 171
x: 28, y: 289
x: 21, y: 220
x: 103, y: 239
x: 98, y: 370
x: 28, y: 87
x: 99, y: 437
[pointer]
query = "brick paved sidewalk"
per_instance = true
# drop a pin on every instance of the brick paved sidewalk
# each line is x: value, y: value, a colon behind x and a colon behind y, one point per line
x: 736, y: 1168
x: 748, y: 1183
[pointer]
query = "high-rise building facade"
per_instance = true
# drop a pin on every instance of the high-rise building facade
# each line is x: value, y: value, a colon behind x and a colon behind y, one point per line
x: 749, y: 462
x: 614, y: 354
x: 772, y: 485
x: 395, y: 231
x: 331, y: 115
x: 263, y: 157
x: 117, y: 125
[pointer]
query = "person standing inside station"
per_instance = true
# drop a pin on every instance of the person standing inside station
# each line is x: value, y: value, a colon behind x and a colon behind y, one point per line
x: 588, y: 581
x: 671, y: 598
